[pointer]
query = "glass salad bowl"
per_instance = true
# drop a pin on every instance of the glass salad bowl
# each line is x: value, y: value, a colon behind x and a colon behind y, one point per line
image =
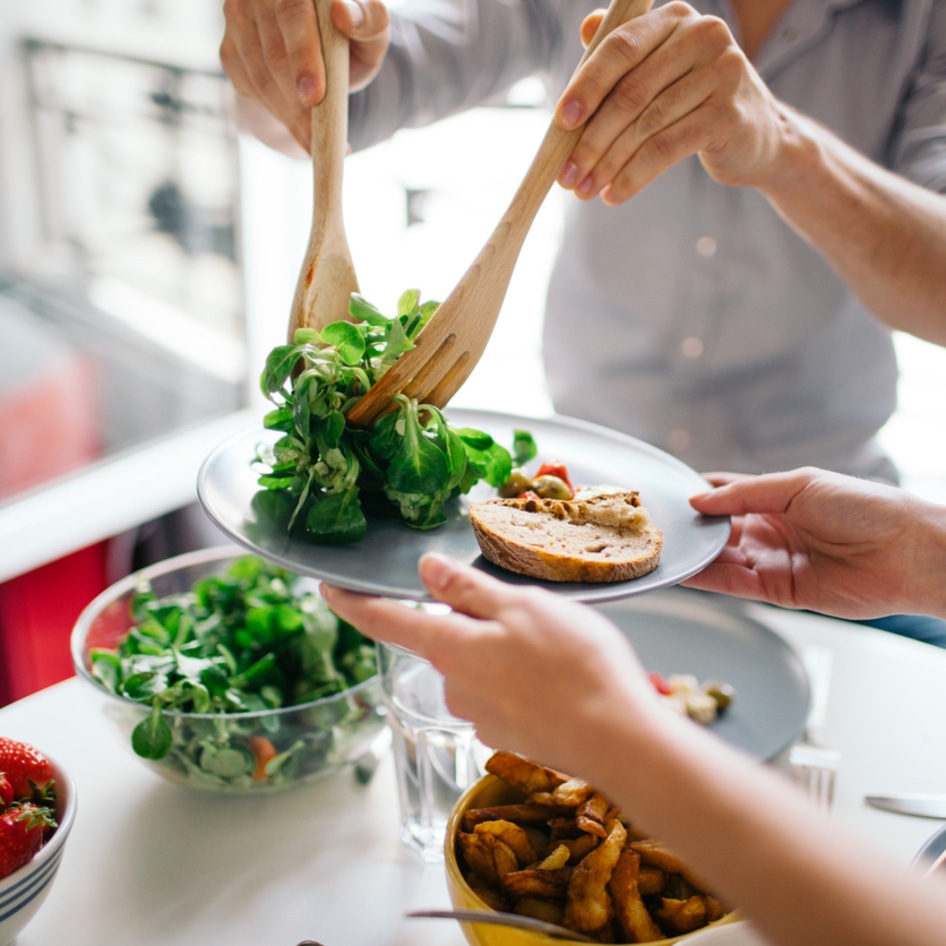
x: 225, y: 673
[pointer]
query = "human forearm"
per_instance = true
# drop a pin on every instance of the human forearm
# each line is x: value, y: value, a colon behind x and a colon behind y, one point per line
x: 674, y: 82
x: 758, y: 843
x: 446, y: 58
x: 926, y: 589
x: 885, y: 236
x: 794, y: 872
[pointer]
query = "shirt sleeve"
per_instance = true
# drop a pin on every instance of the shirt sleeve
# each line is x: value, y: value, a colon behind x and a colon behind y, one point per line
x: 919, y: 144
x: 450, y: 55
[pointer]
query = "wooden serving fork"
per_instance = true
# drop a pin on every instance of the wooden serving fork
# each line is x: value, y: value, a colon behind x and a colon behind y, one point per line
x: 451, y: 343
x: 327, y: 278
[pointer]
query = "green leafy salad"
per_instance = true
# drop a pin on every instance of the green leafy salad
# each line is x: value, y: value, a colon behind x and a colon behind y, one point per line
x: 247, y: 640
x: 324, y: 474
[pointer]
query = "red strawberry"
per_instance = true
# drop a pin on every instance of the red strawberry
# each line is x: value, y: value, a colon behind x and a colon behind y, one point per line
x: 6, y: 792
x: 22, y: 828
x: 26, y: 768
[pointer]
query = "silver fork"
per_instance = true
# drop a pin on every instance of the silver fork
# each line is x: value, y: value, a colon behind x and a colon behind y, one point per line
x: 813, y: 766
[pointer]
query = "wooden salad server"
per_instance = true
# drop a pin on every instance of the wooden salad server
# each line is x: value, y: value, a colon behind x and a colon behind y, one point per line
x: 327, y: 278
x: 451, y: 343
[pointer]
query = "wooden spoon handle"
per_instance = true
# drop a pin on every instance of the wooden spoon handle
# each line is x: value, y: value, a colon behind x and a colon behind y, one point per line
x: 327, y: 277
x: 330, y: 118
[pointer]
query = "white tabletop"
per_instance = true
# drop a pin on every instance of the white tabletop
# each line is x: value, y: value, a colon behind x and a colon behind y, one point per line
x: 151, y: 862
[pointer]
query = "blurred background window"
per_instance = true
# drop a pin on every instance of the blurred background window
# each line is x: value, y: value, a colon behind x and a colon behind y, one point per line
x: 148, y: 256
x: 122, y: 311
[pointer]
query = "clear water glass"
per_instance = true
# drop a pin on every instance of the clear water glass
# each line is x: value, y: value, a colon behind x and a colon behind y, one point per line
x: 437, y: 756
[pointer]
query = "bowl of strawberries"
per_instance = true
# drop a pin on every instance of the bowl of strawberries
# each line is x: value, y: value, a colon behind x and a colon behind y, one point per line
x: 37, y: 810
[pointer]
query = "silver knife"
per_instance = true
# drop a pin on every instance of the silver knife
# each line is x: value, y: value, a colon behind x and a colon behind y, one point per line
x: 923, y: 805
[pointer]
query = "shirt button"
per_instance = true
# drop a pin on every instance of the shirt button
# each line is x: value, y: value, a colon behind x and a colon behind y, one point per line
x: 706, y: 246
x: 692, y: 347
x: 679, y: 438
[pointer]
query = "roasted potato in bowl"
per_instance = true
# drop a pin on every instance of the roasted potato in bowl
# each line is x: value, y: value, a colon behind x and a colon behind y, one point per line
x: 526, y: 839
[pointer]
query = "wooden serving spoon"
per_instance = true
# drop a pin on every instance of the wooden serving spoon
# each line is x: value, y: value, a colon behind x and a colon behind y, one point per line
x: 327, y: 278
x: 452, y: 342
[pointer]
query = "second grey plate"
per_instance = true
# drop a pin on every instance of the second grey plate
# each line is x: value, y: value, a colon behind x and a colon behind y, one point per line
x: 685, y: 631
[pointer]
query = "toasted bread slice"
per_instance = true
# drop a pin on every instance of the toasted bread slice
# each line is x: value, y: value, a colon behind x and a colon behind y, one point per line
x: 607, y: 537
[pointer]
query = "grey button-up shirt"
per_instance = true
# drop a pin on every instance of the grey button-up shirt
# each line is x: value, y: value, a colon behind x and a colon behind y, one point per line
x: 692, y: 316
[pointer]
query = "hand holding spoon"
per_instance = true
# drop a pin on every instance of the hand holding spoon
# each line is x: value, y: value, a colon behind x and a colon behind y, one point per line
x: 327, y: 278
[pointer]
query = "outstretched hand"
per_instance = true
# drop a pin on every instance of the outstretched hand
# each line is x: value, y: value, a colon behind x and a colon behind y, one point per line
x: 527, y: 667
x: 663, y: 86
x: 271, y: 53
x: 825, y: 542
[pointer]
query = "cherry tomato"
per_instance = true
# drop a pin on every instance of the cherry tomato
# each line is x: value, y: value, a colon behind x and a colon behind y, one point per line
x: 660, y: 685
x: 263, y: 751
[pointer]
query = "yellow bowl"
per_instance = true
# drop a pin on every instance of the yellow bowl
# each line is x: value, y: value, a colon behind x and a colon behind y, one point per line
x: 488, y: 792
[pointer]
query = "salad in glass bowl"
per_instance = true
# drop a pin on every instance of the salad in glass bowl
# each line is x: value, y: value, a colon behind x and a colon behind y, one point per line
x: 224, y: 672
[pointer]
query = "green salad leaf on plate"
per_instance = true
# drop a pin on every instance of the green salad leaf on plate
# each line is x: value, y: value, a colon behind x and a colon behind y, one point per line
x: 324, y: 476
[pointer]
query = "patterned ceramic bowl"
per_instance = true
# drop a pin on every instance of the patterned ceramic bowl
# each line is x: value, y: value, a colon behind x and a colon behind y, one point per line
x: 22, y: 893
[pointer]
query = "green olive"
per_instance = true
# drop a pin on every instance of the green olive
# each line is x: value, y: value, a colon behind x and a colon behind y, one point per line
x: 551, y: 487
x: 517, y: 483
x: 723, y: 693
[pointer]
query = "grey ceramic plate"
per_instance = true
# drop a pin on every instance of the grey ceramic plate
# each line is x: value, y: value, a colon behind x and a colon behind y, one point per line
x: 683, y: 631
x: 385, y: 561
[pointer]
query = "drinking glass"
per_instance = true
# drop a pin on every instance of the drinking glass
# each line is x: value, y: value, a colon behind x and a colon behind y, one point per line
x: 436, y: 755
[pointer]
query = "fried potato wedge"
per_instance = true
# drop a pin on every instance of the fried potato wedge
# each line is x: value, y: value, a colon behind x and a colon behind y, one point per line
x: 564, y: 827
x: 527, y: 776
x: 557, y: 858
x: 538, y: 883
x: 570, y: 794
x: 528, y: 813
x: 540, y: 910
x: 681, y: 916
x: 564, y: 854
x: 588, y: 906
x: 513, y: 836
x: 488, y: 856
x: 656, y: 854
x: 635, y: 921
x: 715, y: 908
x: 580, y: 846
x: 651, y: 880
x: 593, y: 814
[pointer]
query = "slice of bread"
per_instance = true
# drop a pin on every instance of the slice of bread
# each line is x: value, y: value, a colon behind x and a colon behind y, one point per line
x: 607, y: 537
